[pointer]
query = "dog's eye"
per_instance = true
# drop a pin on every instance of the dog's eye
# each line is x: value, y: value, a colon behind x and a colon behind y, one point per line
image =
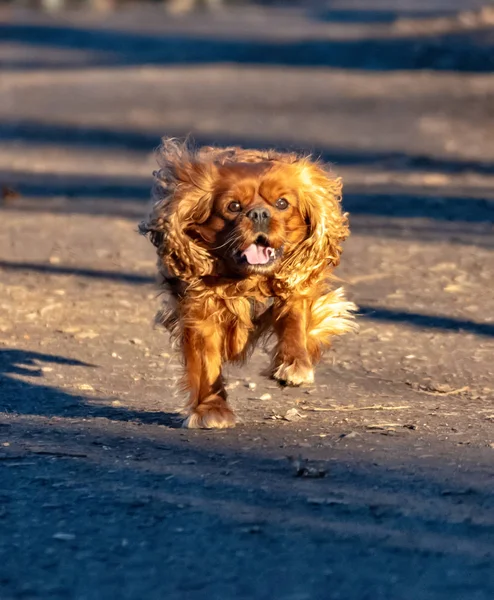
x: 234, y: 206
x: 281, y: 203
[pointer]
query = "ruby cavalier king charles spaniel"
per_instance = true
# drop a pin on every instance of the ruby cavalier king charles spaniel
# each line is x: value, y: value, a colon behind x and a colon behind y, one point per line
x: 247, y: 241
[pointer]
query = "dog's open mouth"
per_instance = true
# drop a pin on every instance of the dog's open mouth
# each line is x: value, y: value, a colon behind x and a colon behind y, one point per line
x: 257, y: 254
x: 260, y: 253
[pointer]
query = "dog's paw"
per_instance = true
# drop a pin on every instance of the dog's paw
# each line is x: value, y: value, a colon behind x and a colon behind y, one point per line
x: 213, y: 413
x: 295, y: 373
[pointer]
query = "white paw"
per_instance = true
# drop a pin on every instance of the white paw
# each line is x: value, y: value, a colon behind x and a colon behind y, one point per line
x: 212, y: 418
x: 295, y: 373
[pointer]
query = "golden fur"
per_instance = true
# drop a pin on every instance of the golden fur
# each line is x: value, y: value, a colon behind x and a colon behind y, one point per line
x: 235, y: 274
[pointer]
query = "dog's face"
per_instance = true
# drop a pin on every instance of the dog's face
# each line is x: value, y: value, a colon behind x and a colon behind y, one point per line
x: 255, y: 217
x: 241, y: 212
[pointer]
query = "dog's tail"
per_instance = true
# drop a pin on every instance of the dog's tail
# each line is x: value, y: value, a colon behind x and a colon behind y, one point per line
x: 331, y: 314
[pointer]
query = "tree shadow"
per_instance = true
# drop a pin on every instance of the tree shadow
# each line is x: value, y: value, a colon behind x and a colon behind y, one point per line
x: 134, y: 510
x: 391, y: 315
x: 34, y: 132
x: 107, y: 47
x: 367, y: 16
x: 399, y: 212
x: 24, y: 398
x: 437, y: 322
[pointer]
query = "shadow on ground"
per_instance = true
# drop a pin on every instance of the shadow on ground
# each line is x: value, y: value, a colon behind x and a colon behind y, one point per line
x: 394, y: 211
x: 113, y: 194
x: 22, y: 397
x: 373, y: 313
x: 221, y: 515
x: 461, y: 51
x: 39, y: 133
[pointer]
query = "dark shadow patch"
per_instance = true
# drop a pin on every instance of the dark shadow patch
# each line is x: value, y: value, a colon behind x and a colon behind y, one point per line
x: 370, y: 312
x: 445, y: 52
x: 33, y: 132
x: 378, y: 15
x: 18, y: 396
x: 131, y: 278
x: 422, y: 321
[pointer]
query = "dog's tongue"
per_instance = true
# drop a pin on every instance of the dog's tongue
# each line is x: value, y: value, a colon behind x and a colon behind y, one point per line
x: 258, y: 255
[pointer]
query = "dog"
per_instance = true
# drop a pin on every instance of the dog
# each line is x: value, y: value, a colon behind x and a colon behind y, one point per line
x: 247, y: 241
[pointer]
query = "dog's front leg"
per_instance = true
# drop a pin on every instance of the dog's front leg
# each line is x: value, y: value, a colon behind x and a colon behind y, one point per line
x: 207, y: 406
x: 292, y: 364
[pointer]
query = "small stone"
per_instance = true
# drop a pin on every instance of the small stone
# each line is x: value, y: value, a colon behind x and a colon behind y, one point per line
x: 292, y: 414
x: 303, y: 469
x: 116, y: 403
x: 49, y: 307
x: 85, y: 386
x: 64, y: 537
x: 252, y: 529
x: 316, y: 501
x: 352, y: 434
x: 265, y: 397
x: 54, y: 260
x: 251, y: 385
x: 86, y: 335
x: 136, y: 341
x: 69, y: 330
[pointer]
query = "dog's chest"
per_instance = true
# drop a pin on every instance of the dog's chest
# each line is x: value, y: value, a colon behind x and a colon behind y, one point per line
x: 258, y: 308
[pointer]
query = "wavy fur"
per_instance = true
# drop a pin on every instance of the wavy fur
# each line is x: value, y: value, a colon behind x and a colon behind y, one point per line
x: 217, y: 312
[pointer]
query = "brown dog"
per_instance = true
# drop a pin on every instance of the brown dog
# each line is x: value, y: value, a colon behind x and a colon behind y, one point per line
x: 247, y: 241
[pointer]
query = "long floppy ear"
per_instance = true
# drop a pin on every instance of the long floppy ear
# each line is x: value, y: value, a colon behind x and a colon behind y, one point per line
x: 182, y: 196
x: 320, y: 204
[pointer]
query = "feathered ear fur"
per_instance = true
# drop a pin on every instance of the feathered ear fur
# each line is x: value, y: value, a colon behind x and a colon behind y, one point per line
x: 182, y: 195
x: 320, y: 204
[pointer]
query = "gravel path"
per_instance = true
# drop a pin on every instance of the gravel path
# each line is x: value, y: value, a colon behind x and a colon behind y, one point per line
x: 102, y: 495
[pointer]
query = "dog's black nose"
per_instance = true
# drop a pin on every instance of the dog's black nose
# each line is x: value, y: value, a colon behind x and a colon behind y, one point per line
x: 260, y: 217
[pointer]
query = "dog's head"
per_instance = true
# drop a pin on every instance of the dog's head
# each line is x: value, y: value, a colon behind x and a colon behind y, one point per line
x: 237, y: 212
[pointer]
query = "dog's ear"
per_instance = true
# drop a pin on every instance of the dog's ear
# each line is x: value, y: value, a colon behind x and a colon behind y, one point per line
x: 183, y: 196
x: 327, y: 226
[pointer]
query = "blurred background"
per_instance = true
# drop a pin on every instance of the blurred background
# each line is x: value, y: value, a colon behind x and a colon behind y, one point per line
x: 397, y: 94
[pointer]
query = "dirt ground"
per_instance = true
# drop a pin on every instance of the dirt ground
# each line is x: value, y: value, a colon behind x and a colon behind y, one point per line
x: 375, y: 484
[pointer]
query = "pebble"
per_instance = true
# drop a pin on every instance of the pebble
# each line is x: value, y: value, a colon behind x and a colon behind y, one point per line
x: 86, y: 335
x: 352, y: 434
x: 64, y: 537
x: 292, y: 414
